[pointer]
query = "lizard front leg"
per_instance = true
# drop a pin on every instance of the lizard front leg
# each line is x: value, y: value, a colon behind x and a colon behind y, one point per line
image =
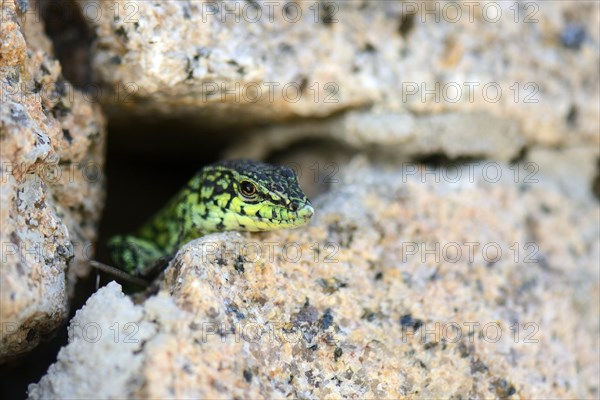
x: 134, y: 255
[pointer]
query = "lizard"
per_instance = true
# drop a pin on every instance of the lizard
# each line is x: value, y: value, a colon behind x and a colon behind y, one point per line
x: 231, y: 195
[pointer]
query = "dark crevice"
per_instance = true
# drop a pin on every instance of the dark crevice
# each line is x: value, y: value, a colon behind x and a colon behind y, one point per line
x: 71, y: 37
x: 147, y: 163
x: 442, y: 160
x: 324, y: 144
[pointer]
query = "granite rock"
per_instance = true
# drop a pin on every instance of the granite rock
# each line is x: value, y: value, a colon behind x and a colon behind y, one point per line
x: 405, y: 283
x: 401, y: 136
x: 52, y: 141
x: 528, y: 66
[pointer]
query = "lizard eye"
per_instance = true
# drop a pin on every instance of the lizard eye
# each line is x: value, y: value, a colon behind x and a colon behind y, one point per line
x: 248, y: 188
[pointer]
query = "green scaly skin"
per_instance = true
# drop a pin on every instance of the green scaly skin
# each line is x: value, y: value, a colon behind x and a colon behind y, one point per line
x: 238, y: 195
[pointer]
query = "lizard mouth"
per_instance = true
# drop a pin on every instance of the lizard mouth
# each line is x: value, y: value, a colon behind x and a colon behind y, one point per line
x: 304, y: 213
x: 292, y: 219
x: 286, y: 218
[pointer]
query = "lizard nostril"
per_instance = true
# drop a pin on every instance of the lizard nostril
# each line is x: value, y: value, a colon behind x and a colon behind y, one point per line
x: 294, y: 206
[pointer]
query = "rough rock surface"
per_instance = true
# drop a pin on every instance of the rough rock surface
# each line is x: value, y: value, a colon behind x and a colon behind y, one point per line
x: 370, y: 300
x: 51, y: 190
x: 404, y: 137
x: 178, y: 57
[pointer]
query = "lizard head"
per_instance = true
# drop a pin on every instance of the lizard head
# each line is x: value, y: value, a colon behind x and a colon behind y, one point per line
x: 252, y: 196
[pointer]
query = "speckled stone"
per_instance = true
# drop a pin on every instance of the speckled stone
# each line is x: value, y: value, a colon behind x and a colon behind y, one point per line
x: 51, y: 192
x: 361, y: 304
x: 175, y: 57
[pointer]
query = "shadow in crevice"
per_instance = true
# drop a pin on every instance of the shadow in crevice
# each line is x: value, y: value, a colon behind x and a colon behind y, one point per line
x: 147, y: 164
x: 441, y: 160
x: 71, y: 37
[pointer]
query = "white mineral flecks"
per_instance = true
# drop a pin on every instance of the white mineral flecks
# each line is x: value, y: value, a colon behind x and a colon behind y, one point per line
x: 51, y: 176
x: 396, y: 288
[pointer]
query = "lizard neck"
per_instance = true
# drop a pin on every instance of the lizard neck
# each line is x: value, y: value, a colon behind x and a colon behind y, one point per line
x: 180, y: 220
